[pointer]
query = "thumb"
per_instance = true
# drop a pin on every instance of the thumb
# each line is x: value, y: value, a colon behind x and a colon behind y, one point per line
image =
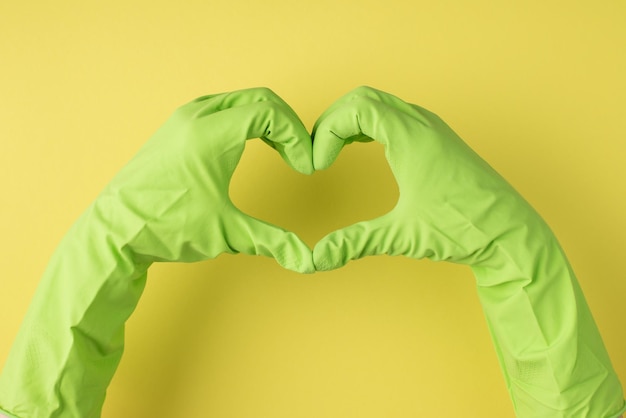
x: 251, y: 236
x: 374, y: 237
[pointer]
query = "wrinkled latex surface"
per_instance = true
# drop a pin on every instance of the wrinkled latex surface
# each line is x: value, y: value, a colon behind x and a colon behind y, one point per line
x: 169, y: 203
x: 453, y: 206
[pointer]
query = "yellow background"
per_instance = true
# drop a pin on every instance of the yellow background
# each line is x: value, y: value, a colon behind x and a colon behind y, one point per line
x: 537, y: 87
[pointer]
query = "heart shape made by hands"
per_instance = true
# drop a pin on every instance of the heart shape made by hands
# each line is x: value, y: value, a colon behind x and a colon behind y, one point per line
x: 445, y: 188
x: 171, y: 203
x: 357, y: 187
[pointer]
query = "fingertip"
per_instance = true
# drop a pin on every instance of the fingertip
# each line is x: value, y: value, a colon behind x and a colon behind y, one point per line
x: 327, y: 255
x: 326, y: 148
x: 304, y: 166
x: 299, y: 267
x: 301, y: 163
x: 252, y: 236
x: 299, y: 258
x: 297, y: 151
x: 352, y: 242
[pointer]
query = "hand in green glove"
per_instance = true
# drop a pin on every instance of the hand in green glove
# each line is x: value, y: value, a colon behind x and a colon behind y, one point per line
x: 169, y: 203
x: 453, y: 206
x: 447, y: 192
x: 177, y: 185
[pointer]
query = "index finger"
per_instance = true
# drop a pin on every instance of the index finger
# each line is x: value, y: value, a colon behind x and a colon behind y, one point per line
x: 261, y: 113
x: 362, y: 115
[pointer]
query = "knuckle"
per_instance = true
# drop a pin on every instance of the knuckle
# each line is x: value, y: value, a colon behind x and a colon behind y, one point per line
x: 363, y: 90
x: 267, y: 112
x: 362, y: 98
x: 185, y: 112
x: 264, y: 93
x: 269, y: 107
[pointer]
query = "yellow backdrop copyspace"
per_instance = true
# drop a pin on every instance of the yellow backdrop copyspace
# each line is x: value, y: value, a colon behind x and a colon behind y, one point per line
x: 537, y: 88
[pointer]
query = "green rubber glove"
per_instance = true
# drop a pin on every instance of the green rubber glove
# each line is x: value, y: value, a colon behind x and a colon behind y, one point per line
x: 170, y: 203
x: 453, y: 206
